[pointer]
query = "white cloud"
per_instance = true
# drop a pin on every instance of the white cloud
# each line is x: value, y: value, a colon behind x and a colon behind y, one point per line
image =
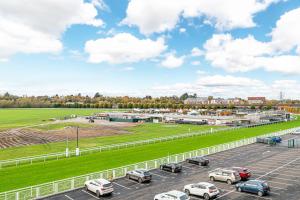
x: 159, y: 16
x: 246, y: 54
x: 234, y: 54
x: 36, y: 26
x: 123, y: 48
x: 285, y: 36
x: 171, y: 61
x: 182, y: 30
x: 195, y: 52
x: 196, y: 63
x: 231, y: 86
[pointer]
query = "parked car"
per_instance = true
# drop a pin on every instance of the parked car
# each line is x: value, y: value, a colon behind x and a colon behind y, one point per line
x: 199, y: 160
x: 244, y: 173
x: 226, y: 175
x: 277, y: 139
x: 254, y: 186
x: 202, y: 189
x: 99, y: 186
x: 172, y: 167
x: 139, y: 175
x: 172, y: 195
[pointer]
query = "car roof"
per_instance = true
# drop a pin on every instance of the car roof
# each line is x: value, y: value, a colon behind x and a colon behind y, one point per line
x: 206, y: 184
x: 102, y: 181
x: 175, y: 193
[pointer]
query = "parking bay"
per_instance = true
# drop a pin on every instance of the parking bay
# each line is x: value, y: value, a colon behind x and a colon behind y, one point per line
x: 279, y: 166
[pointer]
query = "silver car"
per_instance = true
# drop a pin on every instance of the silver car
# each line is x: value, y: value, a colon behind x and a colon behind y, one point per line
x: 225, y: 175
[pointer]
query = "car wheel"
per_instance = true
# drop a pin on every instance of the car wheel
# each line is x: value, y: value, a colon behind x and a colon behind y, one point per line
x: 239, y: 189
x: 229, y: 182
x: 140, y: 180
x: 212, y: 178
x: 86, y: 188
x: 187, y: 192
x: 260, y: 194
x: 98, y: 193
x: 206, y: 196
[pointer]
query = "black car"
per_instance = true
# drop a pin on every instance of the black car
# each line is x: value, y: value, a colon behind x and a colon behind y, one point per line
x: 200, y: 160
x: 172, y: 167
x: 139, y: 175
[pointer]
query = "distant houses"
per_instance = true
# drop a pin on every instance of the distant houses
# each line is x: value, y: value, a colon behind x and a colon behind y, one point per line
x: 223, y: 101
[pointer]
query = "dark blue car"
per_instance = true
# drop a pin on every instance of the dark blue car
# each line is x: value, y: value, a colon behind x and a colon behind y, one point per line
x: 258, y: 187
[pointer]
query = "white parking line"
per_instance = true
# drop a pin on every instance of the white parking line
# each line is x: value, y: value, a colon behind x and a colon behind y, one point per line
x: 158, y: 175
x: 69, y: 197
x: 121, y: 185
x: 188, y: 167
x: 277, y: 182
x: 285, y: 179
x: 278, y: 188
x: 90, y: 194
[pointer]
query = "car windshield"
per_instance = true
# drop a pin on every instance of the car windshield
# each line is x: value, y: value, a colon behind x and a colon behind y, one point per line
x: 264, y: 184
x: 145, y: 173
x: 183, y: 197
x: 212, y: 188
x: 107, y: 185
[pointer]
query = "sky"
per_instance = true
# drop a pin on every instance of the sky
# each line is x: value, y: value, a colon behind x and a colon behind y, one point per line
x: 223, y: 48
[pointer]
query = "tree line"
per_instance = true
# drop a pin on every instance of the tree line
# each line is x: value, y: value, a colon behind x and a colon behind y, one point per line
x: 100, y: 101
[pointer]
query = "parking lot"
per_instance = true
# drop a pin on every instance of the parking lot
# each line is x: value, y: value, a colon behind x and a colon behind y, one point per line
x: 279, y: 166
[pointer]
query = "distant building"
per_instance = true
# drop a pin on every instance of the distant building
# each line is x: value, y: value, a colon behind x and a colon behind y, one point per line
x: 196, y: 100
x: 256, y: 100
x: 218, y: 101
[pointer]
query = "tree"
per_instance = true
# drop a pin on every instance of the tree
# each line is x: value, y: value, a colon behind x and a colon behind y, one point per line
x: 184, y: 96
x: 97, y: 95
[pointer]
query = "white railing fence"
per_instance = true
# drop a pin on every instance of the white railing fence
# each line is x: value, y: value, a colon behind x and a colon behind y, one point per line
x: 64, y: 185
x: 62, y: 155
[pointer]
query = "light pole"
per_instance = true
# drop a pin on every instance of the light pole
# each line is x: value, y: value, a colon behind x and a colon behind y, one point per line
x: 67, y: 143
x: 77, y: 147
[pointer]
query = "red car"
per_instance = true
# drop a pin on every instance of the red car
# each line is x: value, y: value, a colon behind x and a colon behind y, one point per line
x: 245, y: 174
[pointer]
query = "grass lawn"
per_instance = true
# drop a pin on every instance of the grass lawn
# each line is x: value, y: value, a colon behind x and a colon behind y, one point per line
x: 140, y: 132
x: 14, y: 118
x: 18, y: 177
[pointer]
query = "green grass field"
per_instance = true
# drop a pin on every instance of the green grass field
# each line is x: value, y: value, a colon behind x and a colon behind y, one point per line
x: 140, y: 132
x: 18, y: 177
x: 14, y: 118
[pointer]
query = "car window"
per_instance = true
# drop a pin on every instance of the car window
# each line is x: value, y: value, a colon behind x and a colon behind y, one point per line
x: 225, y: 174
x: 212, y: 188
x: 183, y: 197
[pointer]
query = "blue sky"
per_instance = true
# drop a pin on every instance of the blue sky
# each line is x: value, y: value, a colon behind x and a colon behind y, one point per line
x: 139, y: 47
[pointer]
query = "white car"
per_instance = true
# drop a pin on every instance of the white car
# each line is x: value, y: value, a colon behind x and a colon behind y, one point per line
x: 202, y: 189
x: 99, y: 186
x: 172, y: 195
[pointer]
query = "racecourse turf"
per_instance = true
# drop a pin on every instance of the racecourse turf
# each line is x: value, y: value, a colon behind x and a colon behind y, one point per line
x: 23, y: 176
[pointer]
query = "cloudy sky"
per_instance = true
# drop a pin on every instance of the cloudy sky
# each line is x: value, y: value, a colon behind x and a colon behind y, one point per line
x: 224, y: 48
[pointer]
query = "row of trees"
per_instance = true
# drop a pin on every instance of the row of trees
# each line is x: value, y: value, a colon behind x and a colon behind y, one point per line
x: 99, y: 101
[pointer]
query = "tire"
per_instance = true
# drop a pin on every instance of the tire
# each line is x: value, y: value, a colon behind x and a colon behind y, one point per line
x: 212, y: 178
x: 239, y: 189
x: 86, y: 188
x: 206, y: 196
x: 187, y: 192
x: 229, y: 182
x: 260, y: 194
x: 140, y: 180
x: 98, y: 193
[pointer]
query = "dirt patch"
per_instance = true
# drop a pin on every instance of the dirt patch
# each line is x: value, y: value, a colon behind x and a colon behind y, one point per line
x: 27, y: 136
